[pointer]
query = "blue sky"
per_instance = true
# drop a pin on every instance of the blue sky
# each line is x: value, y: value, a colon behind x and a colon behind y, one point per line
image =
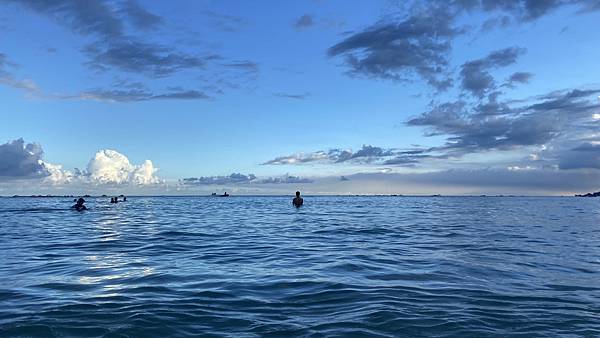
x: 294, y: 95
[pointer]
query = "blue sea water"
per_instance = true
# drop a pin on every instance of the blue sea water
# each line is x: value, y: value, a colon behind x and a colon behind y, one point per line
x: 337, y: 267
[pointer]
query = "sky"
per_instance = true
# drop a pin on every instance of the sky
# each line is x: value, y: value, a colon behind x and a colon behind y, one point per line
x: 323, y: 96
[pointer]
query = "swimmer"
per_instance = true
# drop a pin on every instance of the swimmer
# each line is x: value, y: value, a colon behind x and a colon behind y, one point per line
x: 79, y: 205
x: 298, y: 201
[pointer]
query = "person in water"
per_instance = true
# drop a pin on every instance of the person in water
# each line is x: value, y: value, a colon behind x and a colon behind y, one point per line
x: 79, y: 205
x: 298, y: 201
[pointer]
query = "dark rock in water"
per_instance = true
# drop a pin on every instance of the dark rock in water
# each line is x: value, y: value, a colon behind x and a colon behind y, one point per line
x: 590, y: 194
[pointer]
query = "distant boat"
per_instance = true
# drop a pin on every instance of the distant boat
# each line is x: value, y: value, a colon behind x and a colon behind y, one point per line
x: 214, y: 194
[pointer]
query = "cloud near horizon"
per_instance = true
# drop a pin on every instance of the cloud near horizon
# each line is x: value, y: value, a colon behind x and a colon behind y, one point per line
x: 557, y: 129
x: 240, y: 179
x: 19, y: 161
x: 367, y: 154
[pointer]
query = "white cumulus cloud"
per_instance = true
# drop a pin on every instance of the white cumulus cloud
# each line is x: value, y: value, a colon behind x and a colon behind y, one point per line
x: 111, y: 167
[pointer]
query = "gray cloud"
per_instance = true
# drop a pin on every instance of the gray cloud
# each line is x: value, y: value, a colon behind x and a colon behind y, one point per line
x: 137, y: 94
x: 559, y: 130
x: 366, y: 155
x: 293, y: 96
x: 418, y: 45
x: 84, y: 17
x: 243, y: 65
x: 20, y: 160
x: 237, y: 178
x: 507, y: 181
x: 518, y: 77
x: 226, y: 22
x: 116, y: 46
x: 138, y: 57
x: 7, y: 78
x: 496, y: 22
x: 140, y: 17
x: 304, y: 21
x: 420, y: 41
x: 475, y: 76
x: 584, y: 156
x: 287, y: 179
x: 558, y: 118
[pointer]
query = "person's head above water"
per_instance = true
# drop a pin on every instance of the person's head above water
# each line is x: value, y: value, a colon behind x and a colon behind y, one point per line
x: 79, y: 205
x: 297, y: 194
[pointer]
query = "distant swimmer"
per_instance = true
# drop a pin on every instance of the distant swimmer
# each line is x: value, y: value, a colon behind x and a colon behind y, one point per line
x: 114, y: 200
x: 298, y: 201
x: 79, y: 205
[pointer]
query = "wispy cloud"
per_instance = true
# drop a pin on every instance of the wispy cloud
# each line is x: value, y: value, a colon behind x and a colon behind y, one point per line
x: 226, y: 22
x: 7, y: 78
x: 237, y: 179
x: 366, y: 155
x: 141, y: 17
x: 419, y: 42
x: 475, y: 76
x: 304, y: 21
x: 302, y: 96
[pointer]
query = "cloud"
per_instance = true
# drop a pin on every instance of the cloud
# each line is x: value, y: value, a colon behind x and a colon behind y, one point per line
x: 418, y: 45
x: 304, y: 21
x: 286, y: 179
x: 235, y: 178
x: 475, y: 76
x: 555, y: 121
x: 520, y: 77
x: 22, y: 168
x: 134, y: 56
x: 299, y: 158
x: 418, y: 41
x: 84, y: 17
x: 137, y: 95
x: 245, y: 65
x: 555, y: 130
x: 111, y: 167
x: 226, y: 22
x: 293, y: 96
x: 8, y: 79
x: 19, y: 160
x: 496, y: 22
x: 584, y: 156
x: 240, y: 179
x: 140, y: 17
x: 478, y: 181
x: 367, y: 154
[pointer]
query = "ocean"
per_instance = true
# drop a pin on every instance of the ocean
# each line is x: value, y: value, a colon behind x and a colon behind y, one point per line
x: 339, y: 266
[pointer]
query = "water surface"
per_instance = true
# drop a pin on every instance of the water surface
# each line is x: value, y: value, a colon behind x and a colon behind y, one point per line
x: 338, y: 266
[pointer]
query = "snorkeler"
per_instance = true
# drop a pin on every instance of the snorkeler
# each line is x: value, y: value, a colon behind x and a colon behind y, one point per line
x: 79, y: 205
x: 298, y: 201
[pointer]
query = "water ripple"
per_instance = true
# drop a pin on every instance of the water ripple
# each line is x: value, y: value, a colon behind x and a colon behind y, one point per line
x: 339, y: 266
